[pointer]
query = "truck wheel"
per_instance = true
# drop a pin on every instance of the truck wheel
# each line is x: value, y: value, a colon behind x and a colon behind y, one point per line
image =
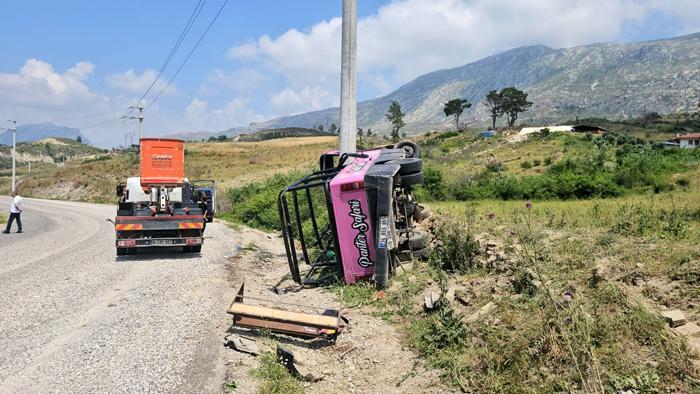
x: 419, y: 240
x: 408, y: 166
x: 421, y: 213
x: 122, y: 251
x: 411, y: 179
x: 411, y: 149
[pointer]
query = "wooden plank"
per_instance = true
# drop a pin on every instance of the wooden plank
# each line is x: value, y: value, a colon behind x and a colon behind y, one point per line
x: 280, y: 315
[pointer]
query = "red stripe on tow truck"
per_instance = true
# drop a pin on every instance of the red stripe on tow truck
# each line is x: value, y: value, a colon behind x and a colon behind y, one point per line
x: 188, y: 225
x: 128, y: 227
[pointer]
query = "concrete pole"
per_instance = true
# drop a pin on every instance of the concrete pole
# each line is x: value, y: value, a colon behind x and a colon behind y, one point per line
x: 348, y: 88
x: 14, y: 154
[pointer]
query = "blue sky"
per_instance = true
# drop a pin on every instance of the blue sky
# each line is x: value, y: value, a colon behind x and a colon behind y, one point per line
x: 264, y: 59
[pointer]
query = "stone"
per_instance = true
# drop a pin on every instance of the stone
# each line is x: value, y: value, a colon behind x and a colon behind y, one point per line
x: 690, y: 330
x: 431, y: 300
x: 674, y: 318
x: 483, y: 312
x: 639, y: 266
x: 450, y: 295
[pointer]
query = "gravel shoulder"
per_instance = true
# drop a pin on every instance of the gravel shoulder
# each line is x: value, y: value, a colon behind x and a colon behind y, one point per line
x: 76, y: 318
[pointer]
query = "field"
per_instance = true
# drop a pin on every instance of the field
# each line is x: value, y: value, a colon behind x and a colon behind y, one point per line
x: 555, y: 256
x: 230, y: 164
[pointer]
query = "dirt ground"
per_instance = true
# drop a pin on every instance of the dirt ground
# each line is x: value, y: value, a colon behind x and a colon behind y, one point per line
x: 368, y: 356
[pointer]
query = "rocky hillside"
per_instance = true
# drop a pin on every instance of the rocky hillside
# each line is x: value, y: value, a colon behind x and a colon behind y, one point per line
x: 47, y: 150
x: 605, y: 80
x: 287, y: 132
x: 38, y: 131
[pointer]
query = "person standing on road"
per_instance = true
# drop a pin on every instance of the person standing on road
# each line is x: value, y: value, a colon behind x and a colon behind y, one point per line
x: 15, y: 212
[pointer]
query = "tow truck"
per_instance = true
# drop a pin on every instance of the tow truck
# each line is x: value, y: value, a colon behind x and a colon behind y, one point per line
x: 162, y: 208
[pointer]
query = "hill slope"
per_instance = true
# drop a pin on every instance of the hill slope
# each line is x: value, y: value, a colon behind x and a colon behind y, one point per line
x: 610, y: 79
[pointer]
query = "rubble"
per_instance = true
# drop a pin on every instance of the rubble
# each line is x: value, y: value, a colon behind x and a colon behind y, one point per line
x: 674, y: 318
x: 482, y: 312
x: 431, y: 300
x: 690, y: 330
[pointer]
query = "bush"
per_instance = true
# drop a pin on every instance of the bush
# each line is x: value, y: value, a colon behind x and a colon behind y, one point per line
x: 526, y: 165
x: 536, y: 163
x: 547, y: 161
x: 433, y: 183
x: 457, y: 249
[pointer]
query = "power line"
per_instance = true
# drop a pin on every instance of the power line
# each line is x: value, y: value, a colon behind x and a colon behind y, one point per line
x: 190, y: 22
x: 188, y: 55
x: 84, y: 116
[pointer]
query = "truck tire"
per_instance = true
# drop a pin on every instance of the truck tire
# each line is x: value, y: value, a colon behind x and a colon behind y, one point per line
x: 418, y: 240
x: 411, y: 149
x: 408, y: 166
x: 411, y: 179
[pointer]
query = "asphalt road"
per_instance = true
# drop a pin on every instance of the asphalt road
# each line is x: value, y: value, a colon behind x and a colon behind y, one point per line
x: 75, y: 318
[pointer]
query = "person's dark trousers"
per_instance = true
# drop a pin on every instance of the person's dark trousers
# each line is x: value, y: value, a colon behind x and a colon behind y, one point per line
x: 14, y: 216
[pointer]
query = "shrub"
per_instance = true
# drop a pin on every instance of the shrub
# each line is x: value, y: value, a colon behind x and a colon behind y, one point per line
x: 434, y: 183
x: 547, y: 161
x: 536, y: 163
x: 525, y: 165
x: 457, y: 249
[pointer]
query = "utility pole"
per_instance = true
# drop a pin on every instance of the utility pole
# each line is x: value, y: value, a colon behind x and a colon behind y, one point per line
x: 348, y: 87
x: 140, y: 118
x: 14, y: 154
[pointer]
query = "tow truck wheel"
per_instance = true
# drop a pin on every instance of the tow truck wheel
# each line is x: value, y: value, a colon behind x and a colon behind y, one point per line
x: 408, y: 165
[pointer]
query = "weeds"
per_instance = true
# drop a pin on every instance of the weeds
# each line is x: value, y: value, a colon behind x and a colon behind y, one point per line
x: 274, y: 376
x: 457, y: 249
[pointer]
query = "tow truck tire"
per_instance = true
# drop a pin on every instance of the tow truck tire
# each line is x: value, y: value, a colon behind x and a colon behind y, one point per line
x: 122, y: 251
x: 412, y: 150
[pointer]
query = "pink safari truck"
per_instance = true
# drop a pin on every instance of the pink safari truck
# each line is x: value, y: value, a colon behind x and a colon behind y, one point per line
x: 354, y: 218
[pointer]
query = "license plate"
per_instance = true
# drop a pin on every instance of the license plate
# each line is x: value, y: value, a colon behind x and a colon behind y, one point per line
x: 162, y: 242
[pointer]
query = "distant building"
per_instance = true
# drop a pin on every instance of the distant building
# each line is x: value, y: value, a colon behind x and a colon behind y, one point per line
x: 579, y: 128
x: 691, y: 141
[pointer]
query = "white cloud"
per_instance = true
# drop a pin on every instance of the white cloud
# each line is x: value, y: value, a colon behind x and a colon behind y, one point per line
x: 309, y: 98
x: 132, y: 82
x: 407, y: 38
x: 38, y: 84
x: 242, y: 80
x: 234, y: 113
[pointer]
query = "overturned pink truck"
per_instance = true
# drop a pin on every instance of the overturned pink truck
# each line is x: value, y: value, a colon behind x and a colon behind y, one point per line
x: 354, y: 218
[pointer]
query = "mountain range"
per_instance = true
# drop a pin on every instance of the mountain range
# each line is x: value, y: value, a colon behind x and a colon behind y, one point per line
x: 38, y: 131
x: 614, y: 80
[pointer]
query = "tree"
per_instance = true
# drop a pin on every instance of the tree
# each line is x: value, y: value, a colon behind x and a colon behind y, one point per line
x: 369, y: 132
x: 493, y: 106
x: 513, y: 102
x: 359, y: 131
x: 334, y: 128
x: 395, y: 116
x: 455, y: 107
x: 320, y: 127
x: 79, y: 139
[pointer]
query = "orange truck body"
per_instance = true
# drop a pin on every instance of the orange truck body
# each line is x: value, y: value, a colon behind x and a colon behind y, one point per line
x: 162, y: 162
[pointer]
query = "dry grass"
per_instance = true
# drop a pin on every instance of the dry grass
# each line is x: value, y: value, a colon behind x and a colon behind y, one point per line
x: 233, y: 164
x: 228, y: 163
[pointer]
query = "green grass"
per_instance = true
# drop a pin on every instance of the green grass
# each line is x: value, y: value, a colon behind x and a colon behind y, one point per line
x: 604, y: 339
x: 274, y: 377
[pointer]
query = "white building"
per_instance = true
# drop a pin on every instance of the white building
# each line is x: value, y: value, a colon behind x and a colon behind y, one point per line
x: 688, y: 141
